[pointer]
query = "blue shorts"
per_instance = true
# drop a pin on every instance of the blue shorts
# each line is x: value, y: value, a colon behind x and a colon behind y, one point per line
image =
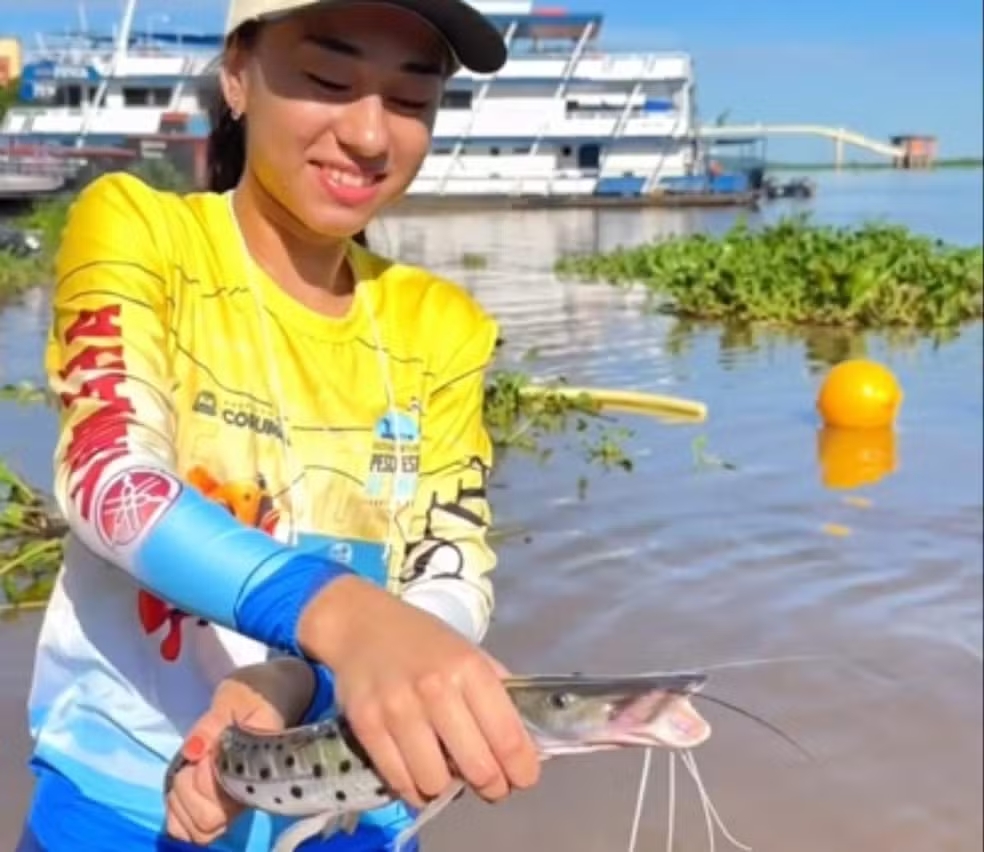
x: 28, y: 842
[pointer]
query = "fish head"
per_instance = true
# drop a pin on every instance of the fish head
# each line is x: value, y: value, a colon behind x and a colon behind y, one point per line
x: 576, y: 714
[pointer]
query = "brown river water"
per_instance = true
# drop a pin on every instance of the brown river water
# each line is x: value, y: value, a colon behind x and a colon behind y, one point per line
x: 679, y: 564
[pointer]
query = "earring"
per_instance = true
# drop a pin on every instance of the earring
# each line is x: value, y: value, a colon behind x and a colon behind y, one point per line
x: 236, y: 113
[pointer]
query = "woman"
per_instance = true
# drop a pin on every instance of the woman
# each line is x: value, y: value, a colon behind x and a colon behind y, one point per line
x: 266, y: 432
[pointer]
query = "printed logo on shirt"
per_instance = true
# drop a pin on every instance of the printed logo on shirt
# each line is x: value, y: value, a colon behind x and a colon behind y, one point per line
x: 394, y: 462
x: 130, y: 503
x: 366, y: 558
x: 341, y: 552
x: 433, y: 556
x: 241, y: 414
x: 206, y: 403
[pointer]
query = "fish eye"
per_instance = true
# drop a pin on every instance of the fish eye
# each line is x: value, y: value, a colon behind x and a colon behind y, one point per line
x: 561, y: 700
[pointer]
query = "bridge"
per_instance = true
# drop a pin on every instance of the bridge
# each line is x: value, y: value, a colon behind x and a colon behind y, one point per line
x: 840, y: 136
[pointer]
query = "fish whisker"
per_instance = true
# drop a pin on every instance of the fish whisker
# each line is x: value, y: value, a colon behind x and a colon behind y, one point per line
x: 647, y: 760
x: 705, y: 799
x: 754, y: 717
x: 711, y: 815
x: 429, y: 813
x: 765, y: 661
x: 671, y: 803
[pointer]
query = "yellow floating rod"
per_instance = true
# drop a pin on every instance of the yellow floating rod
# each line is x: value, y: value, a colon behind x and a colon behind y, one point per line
x: 628, y: 401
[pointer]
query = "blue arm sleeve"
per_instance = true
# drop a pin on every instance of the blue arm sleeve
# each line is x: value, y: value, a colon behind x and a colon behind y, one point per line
x: 201, y: 559
x: 323, y: 699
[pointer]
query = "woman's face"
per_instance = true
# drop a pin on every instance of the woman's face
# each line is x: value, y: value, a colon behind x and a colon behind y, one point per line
x: 340, y: 104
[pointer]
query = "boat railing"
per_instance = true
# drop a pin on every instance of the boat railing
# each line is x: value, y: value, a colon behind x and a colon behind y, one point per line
x: 521, y: 50
x: 616, y: 68
x: 626, y: 115
x: 30, y: 113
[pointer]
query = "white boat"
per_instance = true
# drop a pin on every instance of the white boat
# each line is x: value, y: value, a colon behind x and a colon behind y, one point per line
x: 563, y: 119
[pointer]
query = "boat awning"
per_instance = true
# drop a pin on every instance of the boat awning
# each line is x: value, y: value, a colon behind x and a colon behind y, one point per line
x: 141, y: 37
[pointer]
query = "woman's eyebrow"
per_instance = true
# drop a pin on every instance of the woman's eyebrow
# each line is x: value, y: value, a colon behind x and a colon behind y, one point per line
x: 335, y: 45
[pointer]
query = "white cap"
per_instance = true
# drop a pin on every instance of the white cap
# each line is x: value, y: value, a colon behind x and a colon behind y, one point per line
x: 473, y: 39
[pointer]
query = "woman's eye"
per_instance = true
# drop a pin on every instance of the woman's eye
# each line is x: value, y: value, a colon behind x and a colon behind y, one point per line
x: 325, y: 84
x: 407, y: 103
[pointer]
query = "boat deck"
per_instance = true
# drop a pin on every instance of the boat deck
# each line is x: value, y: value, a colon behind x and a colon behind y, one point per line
x: 445, y: 203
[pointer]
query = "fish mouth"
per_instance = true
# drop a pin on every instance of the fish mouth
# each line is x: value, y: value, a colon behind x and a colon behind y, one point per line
x: 656, y: 718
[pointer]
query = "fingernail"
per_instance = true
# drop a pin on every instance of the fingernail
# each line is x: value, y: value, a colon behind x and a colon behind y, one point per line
x: 194, y: 748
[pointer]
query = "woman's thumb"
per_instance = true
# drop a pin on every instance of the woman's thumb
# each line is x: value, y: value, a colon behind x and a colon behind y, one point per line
x: 203, y: 736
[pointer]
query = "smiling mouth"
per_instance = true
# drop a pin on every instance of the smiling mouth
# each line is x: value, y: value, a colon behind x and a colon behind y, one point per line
x: 355, y: 180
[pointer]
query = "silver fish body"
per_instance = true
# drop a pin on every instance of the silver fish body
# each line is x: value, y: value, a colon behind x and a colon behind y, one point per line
x: 312, y: 769
x: 322, y: 769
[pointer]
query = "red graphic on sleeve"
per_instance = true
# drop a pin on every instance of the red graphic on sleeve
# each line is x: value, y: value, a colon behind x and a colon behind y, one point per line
x: 131, y: 502
x: 100, y: 437
x: 251, y: 503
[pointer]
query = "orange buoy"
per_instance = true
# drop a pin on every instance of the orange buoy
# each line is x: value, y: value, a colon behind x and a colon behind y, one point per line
x: 854, y: 458
x: 859, y: 394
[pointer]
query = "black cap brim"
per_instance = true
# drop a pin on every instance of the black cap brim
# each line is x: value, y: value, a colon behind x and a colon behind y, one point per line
x: 475, y: 41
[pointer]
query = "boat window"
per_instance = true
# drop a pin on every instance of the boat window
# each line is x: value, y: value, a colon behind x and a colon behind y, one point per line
x: 456, y: 99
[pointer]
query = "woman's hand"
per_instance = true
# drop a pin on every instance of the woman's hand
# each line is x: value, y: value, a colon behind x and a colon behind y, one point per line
x: 410, y: 685
x: 269, y: 697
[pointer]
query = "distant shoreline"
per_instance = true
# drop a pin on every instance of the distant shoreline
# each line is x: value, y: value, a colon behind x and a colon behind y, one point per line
x: 946, y: 163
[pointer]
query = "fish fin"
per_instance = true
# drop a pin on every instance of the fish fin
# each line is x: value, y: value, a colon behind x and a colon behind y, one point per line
x: 349, y: 822
x: 431, y: 810
x: 323, y: 824
x: 178, y: 762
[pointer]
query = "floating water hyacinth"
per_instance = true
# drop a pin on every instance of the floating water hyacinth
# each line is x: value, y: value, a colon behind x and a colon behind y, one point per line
x: 797, y: 272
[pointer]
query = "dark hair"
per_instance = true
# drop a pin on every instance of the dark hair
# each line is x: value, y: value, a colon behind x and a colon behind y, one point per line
x: 226, y: 148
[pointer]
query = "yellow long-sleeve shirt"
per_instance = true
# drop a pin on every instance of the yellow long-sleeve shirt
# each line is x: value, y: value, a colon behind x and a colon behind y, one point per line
x: 181, y: 365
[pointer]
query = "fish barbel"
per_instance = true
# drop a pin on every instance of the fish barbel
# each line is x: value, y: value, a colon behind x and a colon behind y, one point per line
x: 322, y: 770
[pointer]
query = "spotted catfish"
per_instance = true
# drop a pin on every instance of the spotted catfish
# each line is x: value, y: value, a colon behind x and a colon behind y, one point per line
x: 321, y: 771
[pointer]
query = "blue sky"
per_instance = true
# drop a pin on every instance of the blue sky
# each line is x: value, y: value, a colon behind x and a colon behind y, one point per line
x: 866, y: 64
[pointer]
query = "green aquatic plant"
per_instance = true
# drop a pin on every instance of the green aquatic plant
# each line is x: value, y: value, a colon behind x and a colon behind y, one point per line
x: 797, y: 272
x: 706, y: 460
x: 24, y: 392
x: 30, y: 542
x: 520, y: 415
x: 18, y: 274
